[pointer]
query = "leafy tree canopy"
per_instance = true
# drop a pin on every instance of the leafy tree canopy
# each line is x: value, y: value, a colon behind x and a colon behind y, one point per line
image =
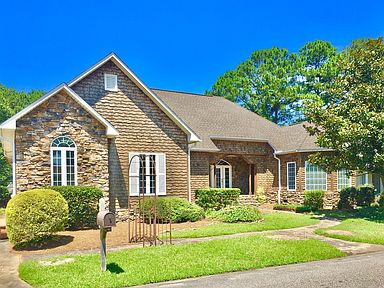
x: 11, y: 102
x: 352, y: 123
x: 275, y: 83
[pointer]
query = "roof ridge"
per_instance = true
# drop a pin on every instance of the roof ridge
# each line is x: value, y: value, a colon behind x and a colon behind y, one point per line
x: 183, y: 92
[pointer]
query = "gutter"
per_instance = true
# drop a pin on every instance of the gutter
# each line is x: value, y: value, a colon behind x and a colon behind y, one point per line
x: 279, y: 177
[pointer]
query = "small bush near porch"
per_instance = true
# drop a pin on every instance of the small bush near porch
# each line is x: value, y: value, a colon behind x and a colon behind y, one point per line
x: 170, y: 262
x: 217, y: 198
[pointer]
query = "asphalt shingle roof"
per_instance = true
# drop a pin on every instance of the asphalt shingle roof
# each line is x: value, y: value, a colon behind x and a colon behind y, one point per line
x: 212, y: 116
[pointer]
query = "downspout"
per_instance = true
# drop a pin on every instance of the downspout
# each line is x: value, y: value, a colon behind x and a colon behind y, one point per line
x: 279, y: 176
x: 189, y: 174
x: 14, y: 167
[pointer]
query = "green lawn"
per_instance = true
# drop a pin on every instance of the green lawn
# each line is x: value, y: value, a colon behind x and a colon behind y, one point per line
x: 272, y: 221
x: 170, y: 262
x: 365, y: 225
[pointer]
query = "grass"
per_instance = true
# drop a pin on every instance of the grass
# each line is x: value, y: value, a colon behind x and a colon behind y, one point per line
x: 272, y: 221
x: 170, y: 262
x: 365, y: 224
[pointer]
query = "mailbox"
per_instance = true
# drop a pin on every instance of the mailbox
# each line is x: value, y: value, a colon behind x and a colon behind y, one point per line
x: 106, y: 219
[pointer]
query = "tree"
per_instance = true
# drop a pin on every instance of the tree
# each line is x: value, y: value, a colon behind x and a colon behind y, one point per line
x: 319, y: 69
x: 352, y: 123
x: 265, y: 84
x: 11, y: 102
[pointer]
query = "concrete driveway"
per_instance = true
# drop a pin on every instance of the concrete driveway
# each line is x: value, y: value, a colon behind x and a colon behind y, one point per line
x: 359, y: 271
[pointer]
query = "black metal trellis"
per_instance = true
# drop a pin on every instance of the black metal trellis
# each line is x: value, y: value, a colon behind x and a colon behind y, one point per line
x: 143, y: 224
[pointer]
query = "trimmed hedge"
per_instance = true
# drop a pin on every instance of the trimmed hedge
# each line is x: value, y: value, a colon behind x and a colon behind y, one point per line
x: 292, y: 207
x: 314, y: 199
x: 82, y: 203
x: 217, y: 198
x: 34, y: 215
x: 177, y: 209
x: 351, y: 197
x: 381, y: 200
x: 235, y: 214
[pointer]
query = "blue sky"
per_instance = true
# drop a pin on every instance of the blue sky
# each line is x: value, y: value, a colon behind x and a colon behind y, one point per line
x: 178, y: 45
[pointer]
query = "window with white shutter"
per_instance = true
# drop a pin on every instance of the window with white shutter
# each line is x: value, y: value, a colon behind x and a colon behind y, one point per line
x: 110, y: 82
x: 147, y: 171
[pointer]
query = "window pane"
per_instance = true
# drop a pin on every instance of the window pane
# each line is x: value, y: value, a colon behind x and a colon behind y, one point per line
x: 70, y: 162
x: 343, y: 179
x: 315, y: 177
x: 226, y: 177
x: 56, y: 173
x: 291, y: 175
x: 152, y: 174
x: 218, y: 178
x: 142, y: 180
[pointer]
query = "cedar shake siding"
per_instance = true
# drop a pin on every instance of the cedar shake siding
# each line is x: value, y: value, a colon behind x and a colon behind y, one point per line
x: 60, y: 116
x: 142, y: 126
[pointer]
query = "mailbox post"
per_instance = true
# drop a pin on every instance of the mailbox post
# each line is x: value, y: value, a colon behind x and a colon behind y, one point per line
x: 106, y: 220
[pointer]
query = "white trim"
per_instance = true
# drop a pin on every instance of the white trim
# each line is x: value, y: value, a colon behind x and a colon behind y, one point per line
x: 106, y: 75
x: 189, y: 174
x: 292, y: 162
x: 303, y: 151
x: 192, y: 136
x: 205, y: 150
x: 11, y: 122
x: 14, y: 167
x: 63, y: 163
x: 337, y: 180
x: 147, y: 169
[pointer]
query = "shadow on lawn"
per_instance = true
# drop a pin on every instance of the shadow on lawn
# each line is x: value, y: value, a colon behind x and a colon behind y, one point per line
x: 374, y: 214
x: 51, y: 242
x: 114, y: 268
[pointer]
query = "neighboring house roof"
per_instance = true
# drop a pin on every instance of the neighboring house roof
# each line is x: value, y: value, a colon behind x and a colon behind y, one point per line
x: 217, y: 118
x: 192, y: 136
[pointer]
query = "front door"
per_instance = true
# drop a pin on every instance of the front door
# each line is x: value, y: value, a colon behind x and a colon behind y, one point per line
x: 221, y: 175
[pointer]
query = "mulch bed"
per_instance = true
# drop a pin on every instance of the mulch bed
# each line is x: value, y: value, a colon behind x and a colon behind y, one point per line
x: 68, y: 241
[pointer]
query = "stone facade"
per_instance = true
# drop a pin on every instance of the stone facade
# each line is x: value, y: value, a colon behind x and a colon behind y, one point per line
x: 60, y: 115
x: 331, y: 197
x: 142, y: 126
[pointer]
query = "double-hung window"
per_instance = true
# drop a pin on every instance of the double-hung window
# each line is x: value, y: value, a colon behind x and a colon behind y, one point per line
x: 147, y: 174
x: 291, y: 176
x: 315, y: 177
x: 343, y: 179
x: 63, y: 162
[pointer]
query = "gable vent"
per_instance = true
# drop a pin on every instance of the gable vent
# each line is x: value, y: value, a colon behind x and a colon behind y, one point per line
x: 110, y: 82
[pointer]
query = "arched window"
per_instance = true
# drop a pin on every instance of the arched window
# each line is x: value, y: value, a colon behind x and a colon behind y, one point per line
x: 63, y: 162
x: 221, y: 175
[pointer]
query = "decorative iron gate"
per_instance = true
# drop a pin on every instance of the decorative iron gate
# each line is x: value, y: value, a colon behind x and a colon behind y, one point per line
x: 144, y: 225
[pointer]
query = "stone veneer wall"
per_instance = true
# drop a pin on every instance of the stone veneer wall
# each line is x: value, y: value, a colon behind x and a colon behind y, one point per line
x: 60, y: 115
x: 331, y: 197
x: 239, y: 155
x: 142, y: 127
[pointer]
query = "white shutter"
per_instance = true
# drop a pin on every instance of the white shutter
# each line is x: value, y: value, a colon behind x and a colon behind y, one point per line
x: 134, y: 175
x: 161, y: 187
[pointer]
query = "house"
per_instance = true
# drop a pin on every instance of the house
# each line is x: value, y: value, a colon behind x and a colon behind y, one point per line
x: 108, y: 129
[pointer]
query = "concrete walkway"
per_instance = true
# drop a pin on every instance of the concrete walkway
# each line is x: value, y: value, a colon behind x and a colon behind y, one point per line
x: 9, y: 265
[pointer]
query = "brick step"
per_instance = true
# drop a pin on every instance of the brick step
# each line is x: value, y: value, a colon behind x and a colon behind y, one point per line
x: 3, y: 232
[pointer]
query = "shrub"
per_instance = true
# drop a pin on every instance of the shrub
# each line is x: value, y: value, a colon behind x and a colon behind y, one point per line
x: 5, y: 196
x: 260, y: 195
x: 82, y: 203
x: 314, y: 199
x: 347, y: 199
x: 381, y: 200
x: 217, y: 198
x: 177, y: 209
x: 35, y: 215
x: 365, y: 195
x: 240, y: 213
x: 292, y: 207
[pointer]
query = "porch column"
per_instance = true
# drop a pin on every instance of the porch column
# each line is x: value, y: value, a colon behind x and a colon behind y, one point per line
x: 214, y: 176
x: 254, y: 180
x: 250, y: 179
